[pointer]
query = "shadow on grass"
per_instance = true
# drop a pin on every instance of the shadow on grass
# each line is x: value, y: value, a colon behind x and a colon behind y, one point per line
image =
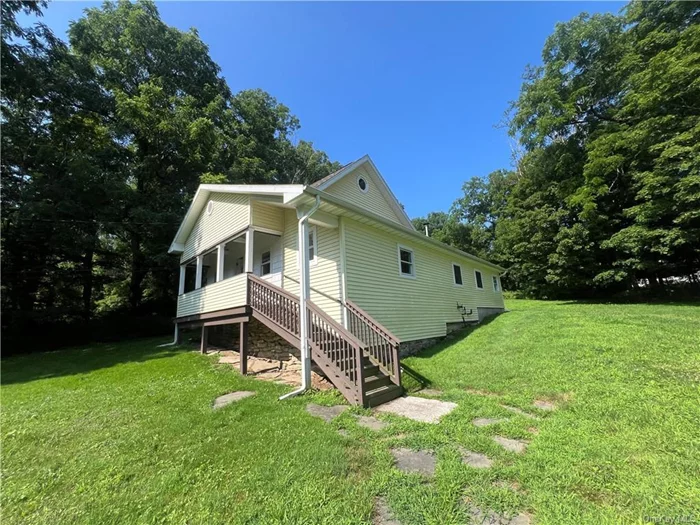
x: 632, y: 301
x: 456, y: 337
x: 412, y: 380
x: 67, y: 362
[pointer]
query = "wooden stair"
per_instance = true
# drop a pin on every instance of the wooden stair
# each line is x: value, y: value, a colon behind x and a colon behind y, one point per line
x: 361, y: 361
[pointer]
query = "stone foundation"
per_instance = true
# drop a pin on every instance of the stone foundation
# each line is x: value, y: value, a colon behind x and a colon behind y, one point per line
x: 408, y: 348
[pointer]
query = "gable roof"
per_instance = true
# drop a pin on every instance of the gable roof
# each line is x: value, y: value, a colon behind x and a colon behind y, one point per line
x: 324, y: 183
x: 286, y: 191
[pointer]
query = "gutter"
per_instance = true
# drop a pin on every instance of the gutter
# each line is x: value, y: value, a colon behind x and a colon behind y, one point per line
x: 304, y: 293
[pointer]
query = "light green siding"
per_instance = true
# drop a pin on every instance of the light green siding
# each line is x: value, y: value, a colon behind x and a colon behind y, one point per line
x: 230, y: 214
x: 373, y: 200
x: 228, y: 293
x: 324, y: 274
x: 412, y: 308
x: 267, y: 216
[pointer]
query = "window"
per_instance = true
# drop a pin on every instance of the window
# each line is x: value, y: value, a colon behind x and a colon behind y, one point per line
x: 457, y: 271
x: 209, y: 266
x: 479, y: 281
x: 265, y: 266
x: 495, y: 283
x: 190, y: 276
x: 406, y: 263
x: 362, y: 184
x: 312, y: 245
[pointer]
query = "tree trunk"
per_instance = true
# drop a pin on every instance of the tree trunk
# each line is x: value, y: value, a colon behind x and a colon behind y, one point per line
x: 88, y: 280
x: 138, y: 272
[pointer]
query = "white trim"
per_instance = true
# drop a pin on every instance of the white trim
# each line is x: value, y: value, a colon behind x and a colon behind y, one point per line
x: 248, y: 268
x: 476, y: 283
x: 220, y: 262
x: 418, y: 236
x: 343, y: 269
x: 181, y: 284
x: 359, y: 177
x: 399, y: 248
x: 461, y: 275
x: 276, y: 233
x: 314, y: 235
x: 198, y: 275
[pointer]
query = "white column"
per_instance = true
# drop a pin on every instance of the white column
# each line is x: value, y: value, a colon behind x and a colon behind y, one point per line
x: 220, y: 263
x: 183, y: 271
x: 249, y: 234
x: 198, y: 278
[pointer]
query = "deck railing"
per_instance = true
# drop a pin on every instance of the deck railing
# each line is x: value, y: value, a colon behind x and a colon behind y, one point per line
x: 381, y: 345
x: 273, y: 302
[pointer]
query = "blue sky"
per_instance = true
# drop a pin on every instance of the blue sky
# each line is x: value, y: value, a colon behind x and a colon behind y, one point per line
x: 420, y: 87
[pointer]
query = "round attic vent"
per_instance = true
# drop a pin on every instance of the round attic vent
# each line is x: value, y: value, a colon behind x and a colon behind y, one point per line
x: 210, y: 207
x: 362, y: 184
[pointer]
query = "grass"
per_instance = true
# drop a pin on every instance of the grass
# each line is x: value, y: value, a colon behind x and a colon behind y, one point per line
x: 125, y: 433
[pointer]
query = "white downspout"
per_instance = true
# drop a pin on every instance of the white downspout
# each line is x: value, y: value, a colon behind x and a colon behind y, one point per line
x: 304, y: 293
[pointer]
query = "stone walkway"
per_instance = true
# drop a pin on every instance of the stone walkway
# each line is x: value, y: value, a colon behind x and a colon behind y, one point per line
x: 418, y: 408
x: 474, y: 459
x: 513, y: 445
x: 328, y: 414
x: 232, y: 397
x: 414, y: 461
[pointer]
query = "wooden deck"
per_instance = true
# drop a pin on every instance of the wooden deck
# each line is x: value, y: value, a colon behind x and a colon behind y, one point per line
x: 361, y: 361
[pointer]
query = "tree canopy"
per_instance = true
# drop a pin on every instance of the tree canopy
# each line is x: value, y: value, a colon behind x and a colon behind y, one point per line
x: 105, y: 139
x: 607, y: 194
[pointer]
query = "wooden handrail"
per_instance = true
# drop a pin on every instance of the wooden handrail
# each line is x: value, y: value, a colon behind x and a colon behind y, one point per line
x: 280, y: 291
x: 369, y: 319
x: 381, y: 345
x: 335, y: 324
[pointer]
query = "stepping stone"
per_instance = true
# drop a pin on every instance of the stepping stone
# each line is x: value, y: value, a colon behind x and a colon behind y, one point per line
x: 514, y: 445
x: 344, y: 432
x: 371, y: 422
x: 227, y: 399
x: 414, y: 462
x: 328, y: 414
x: 431, y: 392
x: 229, y: 360
x: 474, y: 459
x: 486, y: 421
x: 544, y: 405
x: 383, y: 514
x: 418, y: 408
x: 494, y: 518
x: 520, y: 412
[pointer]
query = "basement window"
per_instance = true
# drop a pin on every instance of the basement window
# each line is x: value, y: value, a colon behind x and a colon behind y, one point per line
x: 457, y: 272
x: 479, y: 280
x: 406, y: 263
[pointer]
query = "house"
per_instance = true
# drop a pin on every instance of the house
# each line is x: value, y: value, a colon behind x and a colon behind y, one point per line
x: 367, y: 288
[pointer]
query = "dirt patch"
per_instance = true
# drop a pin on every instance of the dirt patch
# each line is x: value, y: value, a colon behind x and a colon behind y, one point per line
x: 519, y: 411
x: 278, y: 371
x: 543, y: 404
x: 484, y: 393
x: 491, y: 517
x: 371, y: 422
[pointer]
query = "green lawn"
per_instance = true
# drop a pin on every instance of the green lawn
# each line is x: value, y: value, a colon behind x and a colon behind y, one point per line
x: 126, y: 434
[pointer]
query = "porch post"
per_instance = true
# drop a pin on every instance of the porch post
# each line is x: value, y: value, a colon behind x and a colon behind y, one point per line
x: 205, y: 340
x: 243, y: 347
x: 249, y: 234
x: 181, y: 288
x: 198, y: 278
x: 220, y: 262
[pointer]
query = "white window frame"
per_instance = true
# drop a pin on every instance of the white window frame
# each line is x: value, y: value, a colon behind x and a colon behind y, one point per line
x: 313, y: 237
x: 476, y: 282
x: 399, y: 248
x: 496, y: 283
x: 268, y: 263
x: 461, y: 274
